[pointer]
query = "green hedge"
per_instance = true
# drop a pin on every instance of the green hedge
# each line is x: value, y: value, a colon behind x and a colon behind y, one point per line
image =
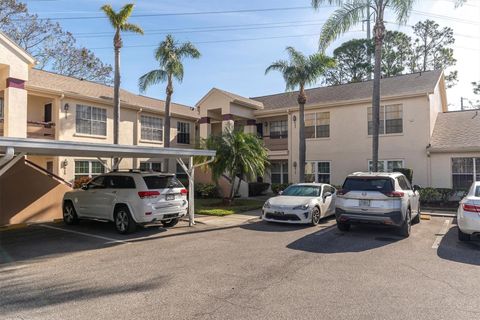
x: 257, y: 188
x: 206, y: 190
x: 441, y: 196
x: 277, y: 187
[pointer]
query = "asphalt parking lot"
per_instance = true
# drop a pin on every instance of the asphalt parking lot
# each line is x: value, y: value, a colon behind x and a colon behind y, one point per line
x: 253, y: 271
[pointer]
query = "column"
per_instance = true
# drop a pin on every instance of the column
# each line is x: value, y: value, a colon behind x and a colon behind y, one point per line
x: 227, y: 122
x: 205, y: 127
x: 15, y: 109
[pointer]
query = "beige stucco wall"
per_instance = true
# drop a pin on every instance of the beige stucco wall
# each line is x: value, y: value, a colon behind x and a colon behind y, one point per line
x: 441, y: 164
x: 349, y: 147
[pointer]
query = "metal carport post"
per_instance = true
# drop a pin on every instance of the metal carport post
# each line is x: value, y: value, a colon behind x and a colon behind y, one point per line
x: 13, y: 149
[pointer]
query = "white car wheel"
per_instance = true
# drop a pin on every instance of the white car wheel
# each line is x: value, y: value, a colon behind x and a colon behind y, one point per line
x: 315, y: 216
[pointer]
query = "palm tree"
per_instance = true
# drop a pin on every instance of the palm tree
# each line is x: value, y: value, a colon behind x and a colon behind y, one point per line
x: 119, y: 22
x: 169, y: 54
x: 350, y: 13
x: 300, y: 71
x: 238, y: 154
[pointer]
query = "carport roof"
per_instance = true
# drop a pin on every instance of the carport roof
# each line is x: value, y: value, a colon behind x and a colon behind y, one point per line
x: 82, y: 149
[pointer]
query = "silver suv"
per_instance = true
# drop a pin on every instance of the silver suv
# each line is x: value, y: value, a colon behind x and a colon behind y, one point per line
x: 378, y: 197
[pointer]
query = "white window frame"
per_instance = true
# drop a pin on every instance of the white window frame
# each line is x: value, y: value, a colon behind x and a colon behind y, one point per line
x: 90, y: 174
x: 315, y: 170
x: 185, y: 125
x: 474, y: 174
x: 384, y: 108
x: 315, y: 124
x: 149, y: 165
x: 280, y: 124
x: 90, y: 120
x: 385, y: 163
x: 281, y: 172
x: 151, y: 129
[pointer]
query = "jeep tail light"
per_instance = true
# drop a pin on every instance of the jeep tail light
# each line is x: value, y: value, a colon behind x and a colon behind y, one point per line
x: 471, y: 207
x: 395, y: 194
x: 184, y: 191
x: 341, y: 192
x: 148, y: 194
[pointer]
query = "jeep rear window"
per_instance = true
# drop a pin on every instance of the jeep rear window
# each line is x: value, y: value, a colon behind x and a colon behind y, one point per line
x: 162, y: 182
x: 369, y: 184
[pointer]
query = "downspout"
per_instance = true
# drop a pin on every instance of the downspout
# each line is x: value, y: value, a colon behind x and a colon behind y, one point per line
x: 429, y: 166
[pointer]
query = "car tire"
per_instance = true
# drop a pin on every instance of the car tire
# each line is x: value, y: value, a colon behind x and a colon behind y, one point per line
x: 462, y: 236
x: 69, y: 214
x: 316, y: 215
x: 417, y: 219
x: 406, y: 227
x: 123, y: 221
x: 170, y: 223
x: 342, y: 226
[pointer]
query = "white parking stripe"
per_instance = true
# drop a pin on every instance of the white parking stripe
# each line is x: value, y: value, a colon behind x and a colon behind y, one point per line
x: 443, y: 231
x: 84, y: 234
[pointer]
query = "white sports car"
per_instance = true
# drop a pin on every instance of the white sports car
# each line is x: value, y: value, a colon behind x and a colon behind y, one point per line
x: 468, y: 214
x: 301, y: 203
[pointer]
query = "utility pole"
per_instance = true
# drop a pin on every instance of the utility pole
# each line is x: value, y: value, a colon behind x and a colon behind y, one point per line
x: 369, y: 37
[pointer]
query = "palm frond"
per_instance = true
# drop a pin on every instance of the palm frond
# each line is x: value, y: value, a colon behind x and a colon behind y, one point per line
x: 341, y: 21
x: 125, y: 13
x: 402, y: 9
x: 131, y: 27
x: 279, y: 65
x: 296, y: 56
x: 151, y: 78
x: 189, y: 50
x: 111, y: 14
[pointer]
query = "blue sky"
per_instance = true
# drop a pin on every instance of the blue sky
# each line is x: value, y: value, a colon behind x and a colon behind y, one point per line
x: 237, y: 65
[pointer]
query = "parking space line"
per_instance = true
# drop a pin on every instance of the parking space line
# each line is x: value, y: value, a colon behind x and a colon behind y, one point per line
x: 443, y: 232
x: 85, y: 234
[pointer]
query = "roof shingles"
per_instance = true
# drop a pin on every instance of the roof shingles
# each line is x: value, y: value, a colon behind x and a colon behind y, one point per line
x: 457, y: 131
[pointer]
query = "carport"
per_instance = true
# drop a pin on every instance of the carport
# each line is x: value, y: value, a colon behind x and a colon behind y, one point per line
x: 14, y: 149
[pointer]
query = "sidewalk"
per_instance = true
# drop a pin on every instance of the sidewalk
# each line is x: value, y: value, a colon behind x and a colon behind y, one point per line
x: 228, y: 221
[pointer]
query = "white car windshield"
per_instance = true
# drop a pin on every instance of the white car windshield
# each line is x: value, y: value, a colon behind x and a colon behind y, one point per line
x: 302, y: 191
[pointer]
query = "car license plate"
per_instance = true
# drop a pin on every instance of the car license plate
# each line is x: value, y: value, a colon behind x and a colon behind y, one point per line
x: 364, y: 203
x: 170, y: 197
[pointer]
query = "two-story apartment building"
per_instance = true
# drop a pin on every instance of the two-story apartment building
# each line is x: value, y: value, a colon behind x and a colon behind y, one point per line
x: 39, y: 104
x: 417, y: 131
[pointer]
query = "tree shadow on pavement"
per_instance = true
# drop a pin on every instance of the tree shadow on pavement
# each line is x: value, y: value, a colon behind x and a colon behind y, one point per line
x: 264, y: 226
x: 359, y: 238
x: 20, y: 293
x: 452, y: 249
x: 54, y: 239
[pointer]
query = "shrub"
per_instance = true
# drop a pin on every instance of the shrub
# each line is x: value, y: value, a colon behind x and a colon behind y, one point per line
x: 406, y: 172
x: 78, y: 183
x: 206, y: 190
x: 277, y: 187
x: 430, y: 195
x: 257, y: 188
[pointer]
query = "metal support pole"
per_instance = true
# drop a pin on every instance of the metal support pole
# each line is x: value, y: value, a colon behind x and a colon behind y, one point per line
x: 191, y: 192
x: 9, y: 153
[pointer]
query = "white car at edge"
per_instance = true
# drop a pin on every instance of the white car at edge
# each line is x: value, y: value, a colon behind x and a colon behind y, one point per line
x: 304, y: 203
x: 468, y: 214
x: 128, y: 199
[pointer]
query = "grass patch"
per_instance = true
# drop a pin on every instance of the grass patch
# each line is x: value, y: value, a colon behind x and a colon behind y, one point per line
x: 215, y: 207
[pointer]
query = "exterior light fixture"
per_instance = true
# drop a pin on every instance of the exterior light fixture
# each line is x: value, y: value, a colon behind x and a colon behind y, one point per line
x: 66, y: 107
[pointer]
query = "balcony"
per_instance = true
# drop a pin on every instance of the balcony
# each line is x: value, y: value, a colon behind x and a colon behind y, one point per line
x: 275, y: 144
x: 40, y: 130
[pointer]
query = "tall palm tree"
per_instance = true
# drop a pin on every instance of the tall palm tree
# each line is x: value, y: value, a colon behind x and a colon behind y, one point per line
x: 119, y: 22
x: 169, y: 54
x: 350, y: 13
x: 300, y: 71
x: 238, y: 153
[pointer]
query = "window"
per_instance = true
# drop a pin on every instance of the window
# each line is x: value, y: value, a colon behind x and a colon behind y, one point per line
x: 91, y: 120
x: 183, y: 132
x: 317, y: 125
x: 119, y: 182
x: 87, y: 168
x: 151, y: 166
x: 404, y: 184
x: 279, y: 172
x: 317, y: 171
x: 278, y: 129
x: 386, y: 165
x: 180, y: 173
x: 1, y: 108
x: 162, y: 182
x: 152, y: 128
x: 383, y: 185
x: 464, y: 172
x: 391, y: 119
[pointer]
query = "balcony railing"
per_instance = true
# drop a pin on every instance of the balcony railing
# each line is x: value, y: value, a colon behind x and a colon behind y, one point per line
x: 40, y: 130
x: 275, y: 144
